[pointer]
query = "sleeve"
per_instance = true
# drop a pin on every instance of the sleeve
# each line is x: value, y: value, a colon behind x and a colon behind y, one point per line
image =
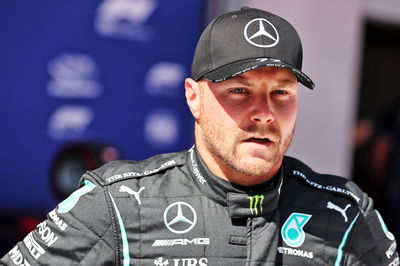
x: 79, y: 231
x: 371, y: 242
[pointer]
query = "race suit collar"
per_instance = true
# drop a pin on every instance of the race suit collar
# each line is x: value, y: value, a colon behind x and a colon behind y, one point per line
x: 241, y: 202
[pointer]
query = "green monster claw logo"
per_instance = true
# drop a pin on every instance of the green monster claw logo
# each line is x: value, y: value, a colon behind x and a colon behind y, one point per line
x: 256, y: 202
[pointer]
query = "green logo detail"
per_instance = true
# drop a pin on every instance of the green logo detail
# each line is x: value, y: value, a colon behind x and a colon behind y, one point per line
x: 292, y: 230
x: 256, y: 202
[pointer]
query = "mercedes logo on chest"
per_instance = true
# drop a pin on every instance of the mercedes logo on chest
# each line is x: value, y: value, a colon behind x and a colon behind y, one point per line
x: 261, y: 33
x: 180, y: 217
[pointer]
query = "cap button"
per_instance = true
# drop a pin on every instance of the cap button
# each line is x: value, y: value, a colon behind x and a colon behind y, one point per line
x: 245, y: 7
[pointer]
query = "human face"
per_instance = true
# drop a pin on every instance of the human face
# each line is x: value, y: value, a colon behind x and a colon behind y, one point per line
x: 244, y: 125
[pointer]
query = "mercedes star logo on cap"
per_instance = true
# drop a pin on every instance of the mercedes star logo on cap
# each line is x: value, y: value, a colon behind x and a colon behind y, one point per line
x: 180, y: 217
x: 261, y: 33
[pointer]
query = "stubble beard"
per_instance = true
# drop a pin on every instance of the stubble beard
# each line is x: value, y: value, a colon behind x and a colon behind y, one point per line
x: 225, y: 149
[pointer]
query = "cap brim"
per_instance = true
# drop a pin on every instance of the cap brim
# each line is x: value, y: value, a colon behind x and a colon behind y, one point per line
x: 239, y: 67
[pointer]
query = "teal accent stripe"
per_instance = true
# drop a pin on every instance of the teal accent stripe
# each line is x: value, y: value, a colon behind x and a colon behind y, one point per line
x: 73, y: 199
x: 125, y: 244
x: 341, y: 246
x: 389, y: 235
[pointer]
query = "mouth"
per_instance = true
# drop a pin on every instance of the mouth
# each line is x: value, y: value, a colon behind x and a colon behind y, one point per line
x: 262, y: 141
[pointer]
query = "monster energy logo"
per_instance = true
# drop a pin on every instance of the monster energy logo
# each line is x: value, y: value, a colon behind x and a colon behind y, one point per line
x: 256, y: 202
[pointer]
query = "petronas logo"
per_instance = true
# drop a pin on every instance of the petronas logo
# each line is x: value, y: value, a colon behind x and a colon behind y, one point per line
x: 292, y: 230
x: 256, y: 202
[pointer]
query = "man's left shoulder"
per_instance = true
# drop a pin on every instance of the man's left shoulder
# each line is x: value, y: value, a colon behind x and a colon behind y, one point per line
x: 341, y: 186
x: 341, y: 211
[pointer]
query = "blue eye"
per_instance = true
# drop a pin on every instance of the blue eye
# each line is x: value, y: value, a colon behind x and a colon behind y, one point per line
x: 238, y: 90
x: 281, y: 92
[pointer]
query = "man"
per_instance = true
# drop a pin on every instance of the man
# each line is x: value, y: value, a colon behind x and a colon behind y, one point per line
x: 233, y: 198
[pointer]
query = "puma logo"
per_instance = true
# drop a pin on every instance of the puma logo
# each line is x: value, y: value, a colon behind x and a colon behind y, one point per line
x: 131, y: 192
x: 337, y: 208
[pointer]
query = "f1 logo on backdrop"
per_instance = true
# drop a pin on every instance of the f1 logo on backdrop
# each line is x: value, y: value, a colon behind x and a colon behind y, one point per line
x: 125, y: 19
x: 164, y: 79
x: 74, y: 76
x: 161, y: 128
x: 69, y: 121
x: 180, y: 217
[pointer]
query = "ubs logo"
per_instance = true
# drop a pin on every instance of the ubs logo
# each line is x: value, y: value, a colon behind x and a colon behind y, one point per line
x: 180, y: 217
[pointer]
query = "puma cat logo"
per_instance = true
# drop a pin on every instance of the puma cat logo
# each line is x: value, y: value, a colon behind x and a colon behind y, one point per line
x: 337, y: 208
x: 131, y: 192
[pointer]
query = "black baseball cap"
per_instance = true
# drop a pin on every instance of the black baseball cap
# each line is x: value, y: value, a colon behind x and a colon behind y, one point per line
x: 249, y: 38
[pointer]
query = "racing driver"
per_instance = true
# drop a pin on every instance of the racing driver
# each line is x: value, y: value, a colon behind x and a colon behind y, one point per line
x: 234, y: 198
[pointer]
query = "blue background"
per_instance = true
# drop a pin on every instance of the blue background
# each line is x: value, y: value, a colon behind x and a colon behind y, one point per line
x: 38, y: 34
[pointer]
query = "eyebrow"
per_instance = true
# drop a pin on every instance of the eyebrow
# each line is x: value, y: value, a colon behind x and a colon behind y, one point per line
x: 240, y: 79
x: 285, y: 82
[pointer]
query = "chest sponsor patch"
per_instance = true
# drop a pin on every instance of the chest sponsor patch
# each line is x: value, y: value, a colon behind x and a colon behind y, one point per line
x: 295, y: 252
x: 57, y: 220
x: 181, y: 242
x: 160, y: 261
x: 292, y: 230
x: 34, y: 248
x: 17, y: 257
x: 46, y: 234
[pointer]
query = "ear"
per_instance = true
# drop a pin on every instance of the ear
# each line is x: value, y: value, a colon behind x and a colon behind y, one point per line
x: 192, y: 93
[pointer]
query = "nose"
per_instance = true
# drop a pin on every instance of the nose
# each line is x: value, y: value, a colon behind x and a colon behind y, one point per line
x: 262, y: 112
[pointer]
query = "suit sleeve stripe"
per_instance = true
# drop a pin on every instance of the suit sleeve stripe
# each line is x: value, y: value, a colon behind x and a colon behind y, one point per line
x: 389, y: 235
x: 344, y: 240
x: 125, y: 244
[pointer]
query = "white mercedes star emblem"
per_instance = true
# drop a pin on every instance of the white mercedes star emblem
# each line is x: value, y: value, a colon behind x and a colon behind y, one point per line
x: 265, y: 28
x: 180, y: 223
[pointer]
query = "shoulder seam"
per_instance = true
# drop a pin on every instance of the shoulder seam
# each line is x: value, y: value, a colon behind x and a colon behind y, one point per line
x: 328, y: 188
x: 96, y: 177
x: 131, y: 174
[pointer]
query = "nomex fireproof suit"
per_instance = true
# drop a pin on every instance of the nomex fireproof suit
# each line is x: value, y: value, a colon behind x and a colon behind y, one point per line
x: 171, y: 210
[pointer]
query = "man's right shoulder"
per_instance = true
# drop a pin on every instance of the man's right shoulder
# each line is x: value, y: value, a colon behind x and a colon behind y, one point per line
x: 118, y: 171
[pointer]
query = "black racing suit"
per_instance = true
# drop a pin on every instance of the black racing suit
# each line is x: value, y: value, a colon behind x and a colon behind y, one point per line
x: 171, y: 210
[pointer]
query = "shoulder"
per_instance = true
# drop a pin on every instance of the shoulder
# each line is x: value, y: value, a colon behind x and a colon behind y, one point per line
x: 305, y: 176
x: 121, y: 170
x: 365, y: 239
